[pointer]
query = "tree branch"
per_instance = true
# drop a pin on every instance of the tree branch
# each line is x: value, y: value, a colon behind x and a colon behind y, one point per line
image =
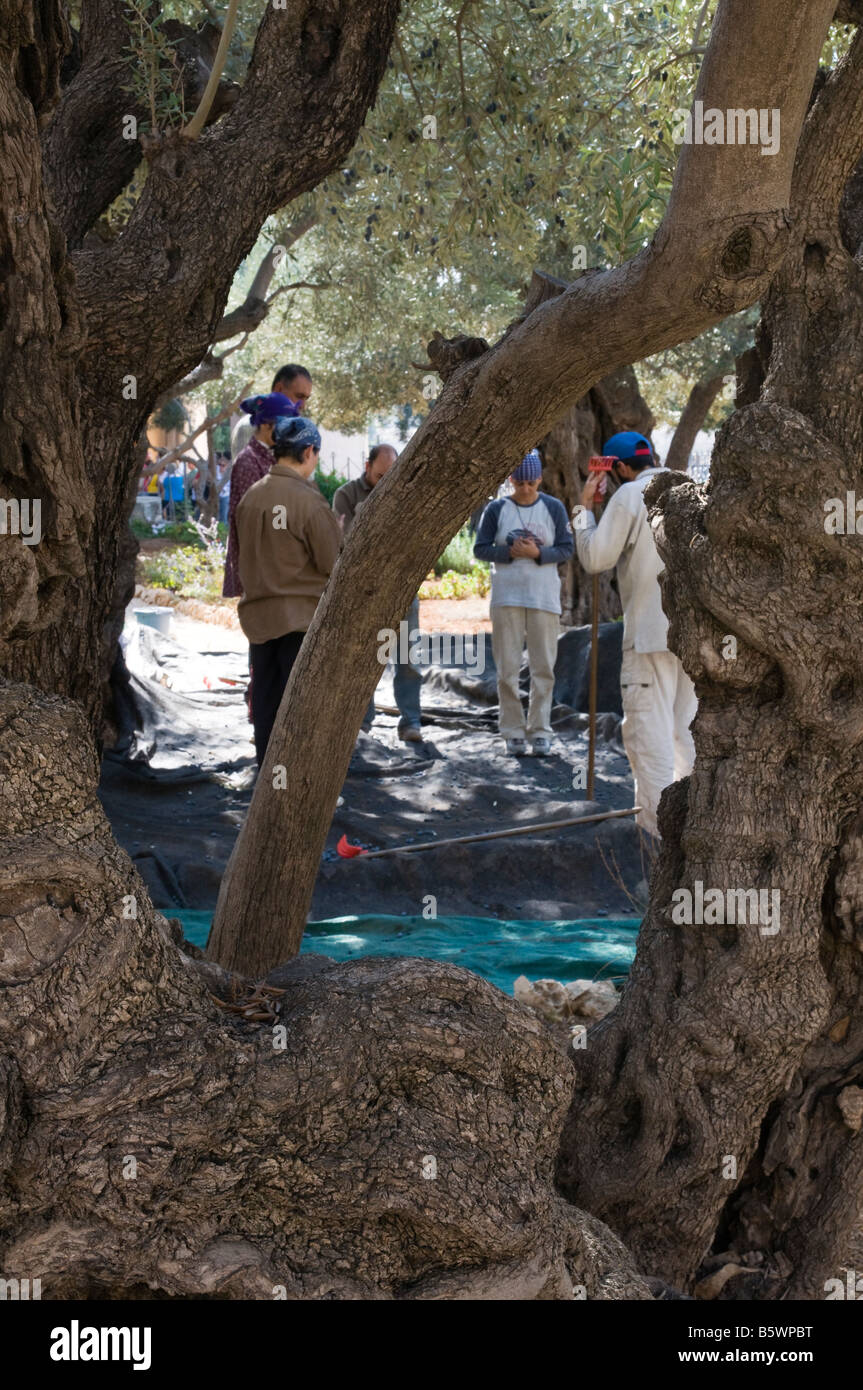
x: 88, y: 158
x: 331, y: 58
x: 692, y: 417
x: 210, y: 369
x: 699, y: 23
x: 208, y: 424
x: 832, y: 140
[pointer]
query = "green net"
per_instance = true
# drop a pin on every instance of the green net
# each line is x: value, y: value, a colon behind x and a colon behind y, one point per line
x: 499, y: 951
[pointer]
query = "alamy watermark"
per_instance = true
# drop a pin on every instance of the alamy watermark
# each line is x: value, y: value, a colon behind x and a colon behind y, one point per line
x: 733, y: 127
x: 713, y: 907
x: 412, y: 647
x: 849, y: 1288
x: 21, y: 518
x: 20, y: 1289
x: 844, y: 516
x: 77, y: 1343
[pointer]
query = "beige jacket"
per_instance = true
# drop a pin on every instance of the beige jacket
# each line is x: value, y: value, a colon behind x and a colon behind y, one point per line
x: 623, y: 538
x: 288, y: 544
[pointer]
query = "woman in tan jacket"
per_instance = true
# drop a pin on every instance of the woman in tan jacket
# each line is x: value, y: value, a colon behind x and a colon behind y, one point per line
x: 288, y: 543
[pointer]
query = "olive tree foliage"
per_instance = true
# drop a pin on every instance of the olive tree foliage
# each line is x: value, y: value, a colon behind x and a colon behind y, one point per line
x: 475, y: 168
x: 506, y: 135
x: 478, y: 164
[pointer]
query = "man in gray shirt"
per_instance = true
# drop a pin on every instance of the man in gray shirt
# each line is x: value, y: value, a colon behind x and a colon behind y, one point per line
x: 407, y: 681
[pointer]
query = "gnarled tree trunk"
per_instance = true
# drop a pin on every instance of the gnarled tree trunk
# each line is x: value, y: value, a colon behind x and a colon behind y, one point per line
x: 81, y: 358
x: 154, y: 1143
x: 723, y: 1100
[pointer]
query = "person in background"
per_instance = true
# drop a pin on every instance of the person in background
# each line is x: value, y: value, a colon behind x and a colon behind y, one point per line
x: 224, y: 470
x: 525, y: 537
x: 659, y: 700
x: 194, y: 484
x: 288, y: 543
x: 171, y: 487
x: 153, y: 471
x: 249, y: 467
x: 407, y: 680
x: 292, y: 381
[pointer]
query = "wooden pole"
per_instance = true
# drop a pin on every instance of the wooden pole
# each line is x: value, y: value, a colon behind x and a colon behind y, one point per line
x: 500, y: 834
x: 594, y: 669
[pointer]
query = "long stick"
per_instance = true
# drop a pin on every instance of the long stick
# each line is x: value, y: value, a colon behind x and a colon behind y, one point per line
x: 499, y: 834
x: 594, y: 667
x: 199, y: 120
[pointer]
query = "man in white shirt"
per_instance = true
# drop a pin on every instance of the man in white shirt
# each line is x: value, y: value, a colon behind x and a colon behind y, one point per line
x: 659, y: 701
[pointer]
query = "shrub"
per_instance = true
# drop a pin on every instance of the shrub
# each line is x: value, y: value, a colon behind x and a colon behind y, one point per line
x: 194, y: 571
x: 452, y: 584
x: 328, y: 482
x: 458, y: 555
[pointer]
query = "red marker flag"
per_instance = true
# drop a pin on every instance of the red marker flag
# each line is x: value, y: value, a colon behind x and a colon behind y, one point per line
x: 347, y: 850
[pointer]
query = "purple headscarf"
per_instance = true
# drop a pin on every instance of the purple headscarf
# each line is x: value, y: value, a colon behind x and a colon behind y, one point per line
x: 265, y: 409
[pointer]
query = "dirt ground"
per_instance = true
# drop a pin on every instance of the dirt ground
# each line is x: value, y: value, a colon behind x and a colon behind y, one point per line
x: 177, y: 795
x: 455, y: 615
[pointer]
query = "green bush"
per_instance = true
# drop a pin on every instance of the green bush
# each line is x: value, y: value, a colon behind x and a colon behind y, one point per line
x: 458, y: 555
x: 328, y: 483
x: 182, y: 531
x: 453, y: 584
x: 194, y: 571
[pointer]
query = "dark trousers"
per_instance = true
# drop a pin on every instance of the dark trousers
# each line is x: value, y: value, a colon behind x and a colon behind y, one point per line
x: 271, y: 664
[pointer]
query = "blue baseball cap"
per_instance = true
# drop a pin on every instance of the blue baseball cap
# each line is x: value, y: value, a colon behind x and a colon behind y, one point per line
x: 628, y: 445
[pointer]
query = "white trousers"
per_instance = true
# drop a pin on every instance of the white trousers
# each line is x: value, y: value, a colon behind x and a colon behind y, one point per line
x: 511, y: 629
x: 659, y: 704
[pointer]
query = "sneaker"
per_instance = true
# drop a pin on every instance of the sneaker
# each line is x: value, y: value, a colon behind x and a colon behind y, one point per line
x: 516, y: 747
x: 540, y: 747
x: 412, y: 733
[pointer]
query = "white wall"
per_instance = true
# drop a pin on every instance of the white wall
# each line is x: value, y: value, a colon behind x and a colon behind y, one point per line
x: 699, y: 459
x: 343, y: 453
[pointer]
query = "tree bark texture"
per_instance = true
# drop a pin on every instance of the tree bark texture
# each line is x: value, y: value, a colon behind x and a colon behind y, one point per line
x: 400, y: 1144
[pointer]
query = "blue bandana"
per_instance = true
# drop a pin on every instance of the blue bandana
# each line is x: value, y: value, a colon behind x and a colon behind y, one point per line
x: 295, y: 432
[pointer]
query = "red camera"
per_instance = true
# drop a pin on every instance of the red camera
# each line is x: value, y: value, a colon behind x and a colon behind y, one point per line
x: 601, y: 463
